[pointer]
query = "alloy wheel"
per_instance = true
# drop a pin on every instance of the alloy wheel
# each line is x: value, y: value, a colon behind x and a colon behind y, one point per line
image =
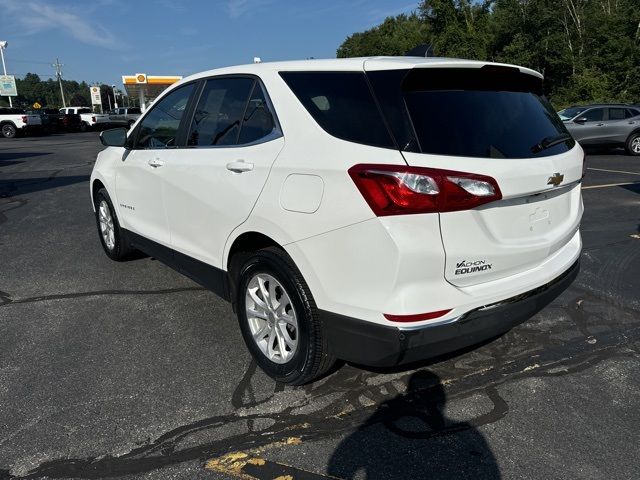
x: 8, y: 131
x: 635, y: 145
x: 272, y: 318
x: 106, y: 225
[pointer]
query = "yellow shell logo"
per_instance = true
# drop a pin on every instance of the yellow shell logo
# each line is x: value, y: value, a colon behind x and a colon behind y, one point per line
x: 94, y: 90
x: 141, y: 78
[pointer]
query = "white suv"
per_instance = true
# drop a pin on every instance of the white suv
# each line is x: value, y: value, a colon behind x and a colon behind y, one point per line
x: 378, y: 210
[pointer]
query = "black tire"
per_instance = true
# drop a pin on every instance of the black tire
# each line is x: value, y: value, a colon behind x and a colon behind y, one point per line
x: 9, y: 130
x: 131, y: 122
x: 633, y: 144
x: 312, y: 357
x: 121, y: 249
x: 84, y: 126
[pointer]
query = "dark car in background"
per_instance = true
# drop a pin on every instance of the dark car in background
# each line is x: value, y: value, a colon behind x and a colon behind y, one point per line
x: 606, y: 125
x: 54, y: 120
x: 51, y: 119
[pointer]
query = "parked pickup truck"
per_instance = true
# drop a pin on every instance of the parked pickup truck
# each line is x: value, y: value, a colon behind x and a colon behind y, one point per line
x: 88, y: 119
x: 14, y: 121
x: 50, y: 117
x: 55, y: 121
x: 125, y: 116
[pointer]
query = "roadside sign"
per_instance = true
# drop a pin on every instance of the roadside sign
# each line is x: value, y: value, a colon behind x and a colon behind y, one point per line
x: 8, y: 86
x: 36, y: 105
x: 141, y: 78
x: 96, y: 99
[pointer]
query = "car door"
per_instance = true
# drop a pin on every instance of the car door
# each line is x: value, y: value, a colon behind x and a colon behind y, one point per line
x: 139, y: 178
x: 588, y: 126
x: 616, y: 125
x: 213, y: 182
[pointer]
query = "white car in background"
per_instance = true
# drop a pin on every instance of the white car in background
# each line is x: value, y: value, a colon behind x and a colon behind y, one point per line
x: 377, y: 210
x: 14, y: 121
x: 88, y: 119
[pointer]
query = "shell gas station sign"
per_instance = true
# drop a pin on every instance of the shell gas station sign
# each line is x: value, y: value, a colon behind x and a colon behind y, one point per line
x: 96, y: 99
x: 147, y: 87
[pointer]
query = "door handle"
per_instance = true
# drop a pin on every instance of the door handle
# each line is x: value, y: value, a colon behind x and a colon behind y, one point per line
x: 155, y: 162
x: 600, y: 125
x: 239, y: 166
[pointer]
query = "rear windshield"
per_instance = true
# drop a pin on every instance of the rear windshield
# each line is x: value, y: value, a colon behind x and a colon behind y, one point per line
x: 342, y: 104
x: 491, y: 112
x: 481, y: 113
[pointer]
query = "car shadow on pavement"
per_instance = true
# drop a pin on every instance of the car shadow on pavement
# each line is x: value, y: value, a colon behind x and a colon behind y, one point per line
x: 10, y: 158
x: 634, y: 188
x: 410, y: 436
x: 24, y: 186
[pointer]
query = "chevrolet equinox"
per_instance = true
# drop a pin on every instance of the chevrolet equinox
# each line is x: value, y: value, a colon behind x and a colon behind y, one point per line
x: 378, y: 210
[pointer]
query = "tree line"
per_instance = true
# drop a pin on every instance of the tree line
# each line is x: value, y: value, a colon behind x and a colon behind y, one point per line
x: 32, y: 89
x: 588, y: 50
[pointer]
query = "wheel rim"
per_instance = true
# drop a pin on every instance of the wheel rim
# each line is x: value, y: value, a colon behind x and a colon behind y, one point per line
x: 635, y: 145
x: 7, y: 130
x: 106, y: 225
x: 272, y: 319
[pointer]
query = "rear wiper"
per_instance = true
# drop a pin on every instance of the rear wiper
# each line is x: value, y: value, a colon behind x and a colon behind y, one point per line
x: 549, y: 142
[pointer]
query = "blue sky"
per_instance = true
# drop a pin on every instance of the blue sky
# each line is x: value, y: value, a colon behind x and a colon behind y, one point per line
x: 100, y: 40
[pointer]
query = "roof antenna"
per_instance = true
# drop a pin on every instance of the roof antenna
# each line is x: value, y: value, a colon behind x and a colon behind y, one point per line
x: 422, y: 50
x: 257, y: 60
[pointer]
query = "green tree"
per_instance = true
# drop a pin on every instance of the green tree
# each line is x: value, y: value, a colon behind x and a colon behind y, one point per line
x: 588, y: 50
x: 395, y: 36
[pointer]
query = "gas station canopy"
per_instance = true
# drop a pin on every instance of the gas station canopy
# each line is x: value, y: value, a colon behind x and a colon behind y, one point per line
x: 147, y: 87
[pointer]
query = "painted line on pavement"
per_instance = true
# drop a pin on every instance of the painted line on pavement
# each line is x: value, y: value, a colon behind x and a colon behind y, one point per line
x: 611, y: 185
x: 612, y: 171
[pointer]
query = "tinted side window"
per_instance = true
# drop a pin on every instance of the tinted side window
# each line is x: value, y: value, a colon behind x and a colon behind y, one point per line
x: 133, y: 111
x: 84, y: 110
x: 594, y: 115
x: 258, y: 120
x: 342, y: 104
x: 159, y: 127
x: 217, y: 118
x: 617, y: 114
x: 632, y: 112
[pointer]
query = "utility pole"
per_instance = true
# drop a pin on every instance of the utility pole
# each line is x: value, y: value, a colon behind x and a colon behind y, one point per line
x: 58, y: 66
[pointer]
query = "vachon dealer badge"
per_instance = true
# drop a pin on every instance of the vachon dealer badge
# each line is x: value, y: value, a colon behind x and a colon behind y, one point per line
x: 464, y: 267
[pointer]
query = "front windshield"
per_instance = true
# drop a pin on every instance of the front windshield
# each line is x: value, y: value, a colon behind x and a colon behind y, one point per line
x: 569, y: 113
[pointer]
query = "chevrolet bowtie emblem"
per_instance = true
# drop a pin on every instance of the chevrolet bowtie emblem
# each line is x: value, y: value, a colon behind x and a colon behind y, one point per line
x: 555, y: 180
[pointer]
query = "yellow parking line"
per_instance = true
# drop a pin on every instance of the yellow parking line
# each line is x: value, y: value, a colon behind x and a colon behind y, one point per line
x: 611, y: 185
x: 612, y: 171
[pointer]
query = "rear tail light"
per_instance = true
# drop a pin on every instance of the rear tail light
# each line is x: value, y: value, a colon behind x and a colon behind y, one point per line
x: 24, y: 119
x: 93, y: 119
x: 400, y: 190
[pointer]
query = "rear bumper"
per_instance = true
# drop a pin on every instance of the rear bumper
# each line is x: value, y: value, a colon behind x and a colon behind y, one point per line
x: 378, y: 345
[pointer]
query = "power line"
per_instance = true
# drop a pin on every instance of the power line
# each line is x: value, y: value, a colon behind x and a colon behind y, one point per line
x: 30, y: 61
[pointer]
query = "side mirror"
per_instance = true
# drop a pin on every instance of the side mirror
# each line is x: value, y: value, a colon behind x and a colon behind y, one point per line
x: 116, y: 137
x: 580, y: 120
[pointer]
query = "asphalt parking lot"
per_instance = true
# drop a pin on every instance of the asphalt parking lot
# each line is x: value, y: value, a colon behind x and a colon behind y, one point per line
x: 131, y: 370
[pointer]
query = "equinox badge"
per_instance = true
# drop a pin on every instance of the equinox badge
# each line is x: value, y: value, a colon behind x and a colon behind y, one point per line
x: 555, y: 180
